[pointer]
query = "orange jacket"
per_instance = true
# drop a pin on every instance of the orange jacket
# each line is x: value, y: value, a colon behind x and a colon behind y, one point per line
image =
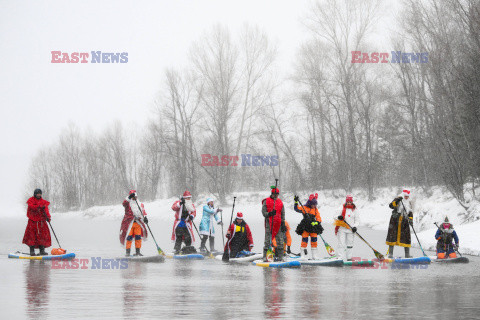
x: 308, y: 210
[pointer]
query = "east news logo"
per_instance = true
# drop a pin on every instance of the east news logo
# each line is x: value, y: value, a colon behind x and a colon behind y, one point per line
x: 92, y: 57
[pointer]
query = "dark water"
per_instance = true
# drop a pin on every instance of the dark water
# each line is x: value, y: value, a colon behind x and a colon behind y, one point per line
x: 210, y: 289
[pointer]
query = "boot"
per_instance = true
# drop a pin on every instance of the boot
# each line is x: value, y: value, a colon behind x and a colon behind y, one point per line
x: 42, y: 251
x: 137, y: 252
x: 303, y: 253
x: 390, y: 252
x: 315, y: 254
x: 127, y: 253
x: 407, y: 253
x: 279, y: 254
x: 32, y: 251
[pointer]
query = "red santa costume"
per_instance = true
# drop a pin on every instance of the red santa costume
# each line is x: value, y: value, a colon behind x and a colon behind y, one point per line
x: 132, y: 223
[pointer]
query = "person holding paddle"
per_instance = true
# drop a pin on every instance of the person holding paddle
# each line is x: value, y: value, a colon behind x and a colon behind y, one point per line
x: 274, y: 213
x: 37, y: 234
x: 398, y: 229
x: 240, y: 240
x: 310, y: 226
x: 344, y: 234
x: 133, y: 224
x: 445, y: 236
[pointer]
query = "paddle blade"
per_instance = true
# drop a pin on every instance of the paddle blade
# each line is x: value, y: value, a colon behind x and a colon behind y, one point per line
x: 226, y: 256
x: 270, y: 254
x: 160, y: 251
x: 330, y: 250
x: 378, y: 255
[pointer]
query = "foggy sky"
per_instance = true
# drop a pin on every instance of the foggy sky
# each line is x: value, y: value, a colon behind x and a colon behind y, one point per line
x: 38, y: 98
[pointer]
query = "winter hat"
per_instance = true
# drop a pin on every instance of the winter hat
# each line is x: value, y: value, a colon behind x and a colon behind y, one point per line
x: 239, y: 216
x: 446, y: 219
x: 349, y: 198
x: 209, y: 200
x: 275, y: 190
x: 187, y: 194
x: 312, y: 200
x: 37, y: 191
x: 132, y: 192
x: 406, y: 193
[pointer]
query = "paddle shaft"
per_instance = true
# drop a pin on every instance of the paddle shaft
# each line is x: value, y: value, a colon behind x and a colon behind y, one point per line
x: 226, y: 251
x: 271, y: 224
x: 368, y: 244
x: 51, y: 227
x: 158, y: 248
x: 221, y: 219
x: 411, y: 225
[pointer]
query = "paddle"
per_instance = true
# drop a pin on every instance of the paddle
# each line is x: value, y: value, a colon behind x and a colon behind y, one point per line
x: 329, y: 249
x: 377, y: 254
x: 411, y: 225
x: 52, y: 229
x: 226, y: 251
x: 199, y: 237
x: 160, y: 251
x: 454, y: 246
x: 221, y: 220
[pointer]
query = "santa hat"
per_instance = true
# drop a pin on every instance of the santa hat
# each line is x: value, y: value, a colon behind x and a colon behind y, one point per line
x: 349, y: 198
x: 239, y: 216
x: 132, y: 192
x: 406, y: 193
x: 187, y: 194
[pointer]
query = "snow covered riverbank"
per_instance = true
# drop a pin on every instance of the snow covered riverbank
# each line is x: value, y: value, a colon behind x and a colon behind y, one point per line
x: 429, y: 208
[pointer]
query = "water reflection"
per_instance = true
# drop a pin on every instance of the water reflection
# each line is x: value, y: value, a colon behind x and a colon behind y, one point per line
x: 37, y: 287
x: 133, y: 289
x: 274, y: 293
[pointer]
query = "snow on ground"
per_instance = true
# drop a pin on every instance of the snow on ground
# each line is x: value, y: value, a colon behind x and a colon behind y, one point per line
x: 429, y: 207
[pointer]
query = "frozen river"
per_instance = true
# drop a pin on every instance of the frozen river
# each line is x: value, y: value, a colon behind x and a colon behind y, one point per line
x: 210, y: 289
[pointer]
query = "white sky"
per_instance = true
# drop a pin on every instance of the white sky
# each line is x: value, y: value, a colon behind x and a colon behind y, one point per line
x: 38, y: 98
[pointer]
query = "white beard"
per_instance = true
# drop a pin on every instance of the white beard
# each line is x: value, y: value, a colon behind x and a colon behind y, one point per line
x: 189, y: 205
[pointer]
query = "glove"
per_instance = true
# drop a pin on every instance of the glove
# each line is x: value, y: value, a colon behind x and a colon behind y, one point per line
x: 340, y: 218
x: 182, y: 202
x: 288, y: 250
x: 283, y: 227
x: 228, y: 235
x: 131, y: 196
x: 296, y: 199
x: 354, y: 229
x: 145, y: 219
x: 220, y: 223
x: 271, y: 214
x: 191, y: 217
x: 48, y: 219
x: 219, y: 210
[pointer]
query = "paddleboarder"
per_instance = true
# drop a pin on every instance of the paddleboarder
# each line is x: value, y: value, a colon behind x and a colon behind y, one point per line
x: 274, y: 212
x: 207, y: 228
x: 133, y: 223
x: 344, y: 234
x: 37, y: 234
x: 240, y: 240
x: 399, y: 229
x: 445, y: 236
x: 182, y: 231
x: 310, y: 226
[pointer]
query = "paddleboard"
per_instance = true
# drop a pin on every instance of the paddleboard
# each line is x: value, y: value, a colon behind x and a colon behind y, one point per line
x: 327, y: 262
x: 20, y: 255
x: 358, y: 263
x: 450, y: 260
x: 279, y: 264
x: 417, y: 260
x: 191, y: 256
x: 245, y: 259
x: 155, y: 258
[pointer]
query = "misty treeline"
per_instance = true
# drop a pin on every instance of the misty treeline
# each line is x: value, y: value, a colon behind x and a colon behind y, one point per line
x: 333, y: 123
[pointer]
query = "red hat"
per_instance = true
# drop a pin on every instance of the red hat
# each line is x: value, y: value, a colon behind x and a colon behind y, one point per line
x: 349, y: 198
x: 132, y: 191
x: 406, y: 192
x: 187, y: 194
x: 313, y: 196
x: 239, y: 216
